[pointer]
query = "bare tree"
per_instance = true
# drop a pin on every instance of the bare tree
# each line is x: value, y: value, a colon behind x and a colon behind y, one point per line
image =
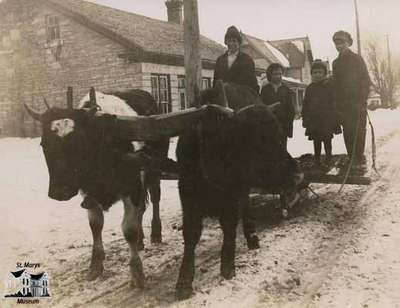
x: 385, y: 79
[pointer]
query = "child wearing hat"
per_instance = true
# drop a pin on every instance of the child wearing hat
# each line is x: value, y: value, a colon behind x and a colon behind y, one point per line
x: 319, y: 112
x: 275, y: 91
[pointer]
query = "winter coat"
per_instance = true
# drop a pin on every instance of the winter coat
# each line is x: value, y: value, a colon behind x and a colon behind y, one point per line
x: 351, y: 82
x: 285, y: 112
x: 241, y: 72
x: 319, y: 111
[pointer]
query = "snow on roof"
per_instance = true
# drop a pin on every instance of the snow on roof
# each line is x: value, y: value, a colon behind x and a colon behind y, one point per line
x: 292, y: 79
x: 299, y: 44
x: 264, y: 80
x: 281, y: 58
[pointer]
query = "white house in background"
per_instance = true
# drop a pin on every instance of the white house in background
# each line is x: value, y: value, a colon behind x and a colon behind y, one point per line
x: 374, y: 100
x: 294, y: 55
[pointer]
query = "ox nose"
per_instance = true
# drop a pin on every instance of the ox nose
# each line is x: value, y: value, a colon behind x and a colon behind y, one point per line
x: 62, y: 193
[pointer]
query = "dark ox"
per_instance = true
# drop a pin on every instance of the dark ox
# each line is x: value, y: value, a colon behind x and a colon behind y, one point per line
x: 218, y: 163
x: 84, y: 152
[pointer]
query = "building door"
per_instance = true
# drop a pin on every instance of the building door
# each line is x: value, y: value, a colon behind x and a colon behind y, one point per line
x: 161, y: 91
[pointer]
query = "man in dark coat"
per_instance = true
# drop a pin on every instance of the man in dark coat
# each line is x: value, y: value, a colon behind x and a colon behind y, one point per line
x: 235, y: 66
x: 351, y: 89
x: 275, y: 91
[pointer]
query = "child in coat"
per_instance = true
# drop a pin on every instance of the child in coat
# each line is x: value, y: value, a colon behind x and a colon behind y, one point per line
x: 319, y: 112
x: 275, y: 91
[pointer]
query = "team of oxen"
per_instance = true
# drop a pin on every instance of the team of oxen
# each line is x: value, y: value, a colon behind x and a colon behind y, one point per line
x: 114, y: 146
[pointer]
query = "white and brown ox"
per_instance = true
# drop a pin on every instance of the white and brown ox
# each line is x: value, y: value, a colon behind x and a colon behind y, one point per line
x: 90, y: 151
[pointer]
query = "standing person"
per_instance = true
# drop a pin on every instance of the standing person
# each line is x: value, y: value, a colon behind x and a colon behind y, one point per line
x: 275, y: 91
x: 239, y: 68
x: 235, y: 66
x: 319, y: 113
x: 351, y: 88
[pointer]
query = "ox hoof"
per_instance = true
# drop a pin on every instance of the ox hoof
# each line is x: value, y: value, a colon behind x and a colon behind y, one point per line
x: 156, y: 239
x: 183, y: 293
x: 228, y: 272
x: 253, y: 242
x: 137, y: 273
x: 134, y: 284
x: 94, y: 273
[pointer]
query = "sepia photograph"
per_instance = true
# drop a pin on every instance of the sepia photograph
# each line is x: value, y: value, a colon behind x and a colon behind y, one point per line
x: 200, y: 153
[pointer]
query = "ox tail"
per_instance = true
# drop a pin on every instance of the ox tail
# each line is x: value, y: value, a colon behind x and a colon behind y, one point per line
x: 144, y: 188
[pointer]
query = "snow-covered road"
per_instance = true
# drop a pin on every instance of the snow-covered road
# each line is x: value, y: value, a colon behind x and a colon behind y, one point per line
x: 339, y: 252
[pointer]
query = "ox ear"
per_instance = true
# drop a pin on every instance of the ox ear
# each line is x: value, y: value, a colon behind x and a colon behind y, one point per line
x: 222, y: 100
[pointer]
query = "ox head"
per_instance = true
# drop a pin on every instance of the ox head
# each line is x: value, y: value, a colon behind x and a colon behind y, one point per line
x: 65, y: 146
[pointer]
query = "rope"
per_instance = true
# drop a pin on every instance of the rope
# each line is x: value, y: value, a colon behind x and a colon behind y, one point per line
x: 353, y: 151
x: 373, y: 154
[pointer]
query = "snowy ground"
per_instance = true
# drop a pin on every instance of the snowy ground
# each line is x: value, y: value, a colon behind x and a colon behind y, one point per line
x: 342, y: 251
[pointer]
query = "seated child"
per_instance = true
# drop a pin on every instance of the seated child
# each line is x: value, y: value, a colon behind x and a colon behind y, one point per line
x: 319, y: 112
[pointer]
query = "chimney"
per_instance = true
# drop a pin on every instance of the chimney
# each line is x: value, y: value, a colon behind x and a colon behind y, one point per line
x: 174, y: 10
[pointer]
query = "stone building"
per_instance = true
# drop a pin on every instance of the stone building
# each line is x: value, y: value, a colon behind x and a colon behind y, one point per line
x: 48, y: 45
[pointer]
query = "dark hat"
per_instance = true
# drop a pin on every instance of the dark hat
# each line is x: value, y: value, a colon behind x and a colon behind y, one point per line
x: 319, y: 64
x: 233, y: 32
x: 344, y: 36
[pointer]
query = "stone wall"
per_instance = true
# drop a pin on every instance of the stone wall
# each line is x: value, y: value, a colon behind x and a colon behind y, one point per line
x: 32, y: 67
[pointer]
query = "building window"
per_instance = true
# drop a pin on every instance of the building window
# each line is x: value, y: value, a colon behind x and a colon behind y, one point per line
x: 182, y: 91
x: 52, y: 28
x: 205, y: 83
x: 160, y: 89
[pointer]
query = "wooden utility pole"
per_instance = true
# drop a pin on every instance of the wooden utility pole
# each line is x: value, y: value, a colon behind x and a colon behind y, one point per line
x: 357, y: 28
x: 389, y: 54
x: 192, y: 50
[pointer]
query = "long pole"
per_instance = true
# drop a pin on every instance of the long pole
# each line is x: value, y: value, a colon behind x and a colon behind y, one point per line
x: 192, y: 50
x: 388, y: 53
x: 357, y: 28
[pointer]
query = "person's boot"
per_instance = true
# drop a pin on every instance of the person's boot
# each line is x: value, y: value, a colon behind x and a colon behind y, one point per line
x: 317, y: 161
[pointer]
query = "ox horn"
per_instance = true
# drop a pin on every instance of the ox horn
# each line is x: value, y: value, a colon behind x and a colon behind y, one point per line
x: 221, y: 92
x: 274, y: 106
x: 154, y: 127
x: 35, y: 115
x: 45, y: 102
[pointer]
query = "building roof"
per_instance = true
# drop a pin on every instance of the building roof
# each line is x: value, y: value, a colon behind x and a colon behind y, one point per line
x: 296, y: 50
x: 149, y: 35
x: 269, y: 52
x: 37, y: 276
x: 17, y: 274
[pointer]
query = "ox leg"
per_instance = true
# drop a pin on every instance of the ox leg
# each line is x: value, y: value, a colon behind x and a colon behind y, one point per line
x: 228, y: 221
x: 141, y: 209
x: 249, y: 225
x: 155, y: 194
x: 192, y: 227
x: 131, y: 230
x: 96, y: 222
